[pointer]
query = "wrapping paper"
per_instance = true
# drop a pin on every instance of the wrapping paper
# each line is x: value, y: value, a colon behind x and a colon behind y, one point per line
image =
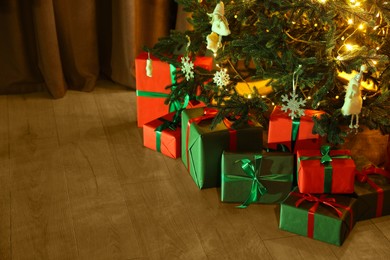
x: 152, y: 92
x: 281, y: 131
x: 318, y: 176
x: 202, y: 146
x: 328, y: 218
x: 166, y: 141
x: 256, y: 178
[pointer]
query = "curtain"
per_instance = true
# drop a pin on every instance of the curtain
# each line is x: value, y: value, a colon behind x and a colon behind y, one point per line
x: 68, y: 44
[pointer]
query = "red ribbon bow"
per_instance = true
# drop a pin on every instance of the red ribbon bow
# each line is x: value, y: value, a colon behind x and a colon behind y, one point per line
x: 330, y: 202
x: 362, y: 177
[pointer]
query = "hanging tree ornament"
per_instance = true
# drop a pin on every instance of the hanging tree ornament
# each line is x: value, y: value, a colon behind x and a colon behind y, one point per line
x: 149, y: 67
x: 353, y: 99
x: 221, y: 78
x: 219, y: 23
x: 294, y: 104
x: 187, y: 66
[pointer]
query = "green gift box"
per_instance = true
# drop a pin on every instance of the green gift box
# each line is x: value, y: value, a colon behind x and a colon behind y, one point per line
x: 202, y: 146
x: 256, y: 178
x: 372, y: 190
x: 326, y: 217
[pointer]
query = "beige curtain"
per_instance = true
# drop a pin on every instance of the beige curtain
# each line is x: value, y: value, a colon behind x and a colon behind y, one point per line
x: 68, y: 44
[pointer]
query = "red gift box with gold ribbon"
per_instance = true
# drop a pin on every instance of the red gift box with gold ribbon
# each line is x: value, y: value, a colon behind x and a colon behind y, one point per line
x: 372, y: 190
x: 164, y: 135
x: 325, y: 171
x: 295, y: 134
x: 151, y: 91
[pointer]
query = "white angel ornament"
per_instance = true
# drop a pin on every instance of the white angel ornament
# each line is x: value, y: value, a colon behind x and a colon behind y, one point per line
x: 219, y: 23
x: 353, y: 99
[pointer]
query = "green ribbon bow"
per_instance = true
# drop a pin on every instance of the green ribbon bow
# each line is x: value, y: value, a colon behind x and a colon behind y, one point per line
x: 325, y: 160
x: 252, y: 170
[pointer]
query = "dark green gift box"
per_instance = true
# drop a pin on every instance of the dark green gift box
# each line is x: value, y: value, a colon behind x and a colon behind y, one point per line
x: 256, y: 178
x: 327, y: 217
x: 202, y: 146
x: 372, y: 190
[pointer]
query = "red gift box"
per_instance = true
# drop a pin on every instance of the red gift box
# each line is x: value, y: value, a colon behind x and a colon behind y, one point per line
x: 152, y: 92
x: 283, y: 130
x: 325, y: 171
x: 168, y: 140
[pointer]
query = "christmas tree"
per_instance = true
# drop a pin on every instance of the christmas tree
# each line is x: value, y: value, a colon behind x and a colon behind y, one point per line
x: 329, y: 55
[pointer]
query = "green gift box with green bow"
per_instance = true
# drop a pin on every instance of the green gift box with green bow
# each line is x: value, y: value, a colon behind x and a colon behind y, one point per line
x: 202, y: 146
x: 256, y: 178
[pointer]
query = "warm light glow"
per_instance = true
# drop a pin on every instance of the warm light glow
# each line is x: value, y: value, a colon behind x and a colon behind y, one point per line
x: 337, y: 97
x: 263, y: 96
x: 235, y: 16
x: 315, y: 25
x: 377, y: 48
x: 374, y: 62
x: 322, y: 1
x: 309, y: 97
x: 350, y: 21
x: 249, y: 96
x: 349, y: 46
x: 361, y: 26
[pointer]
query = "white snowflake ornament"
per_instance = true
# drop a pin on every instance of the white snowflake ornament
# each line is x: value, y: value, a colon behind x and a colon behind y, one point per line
x: 187, y: 66
x: 293, y: 105
x: 221, y: 78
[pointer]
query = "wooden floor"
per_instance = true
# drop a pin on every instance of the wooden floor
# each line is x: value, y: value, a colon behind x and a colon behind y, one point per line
x: 76, y: 183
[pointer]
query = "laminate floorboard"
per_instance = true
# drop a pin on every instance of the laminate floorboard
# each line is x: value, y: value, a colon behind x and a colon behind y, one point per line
x: 77, y: 183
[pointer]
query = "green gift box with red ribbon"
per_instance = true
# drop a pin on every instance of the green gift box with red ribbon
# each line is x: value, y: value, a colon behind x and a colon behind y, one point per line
x: 256, y: 177
x: 372, y: 190
x: 325, y: 171
x: 164, y: 135
x: 152, y: 92
x: 325, y: 217
x: 202, y: 146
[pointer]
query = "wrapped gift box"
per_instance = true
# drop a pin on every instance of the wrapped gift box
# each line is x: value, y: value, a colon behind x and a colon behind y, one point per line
x: 294, y: 134
x: 163, y: 135
x: 372, y: 190
x: 152, y: 92
x: 328, y: 218
x: 325, y: 171
x: 202, y: 146
x: 256, y: 178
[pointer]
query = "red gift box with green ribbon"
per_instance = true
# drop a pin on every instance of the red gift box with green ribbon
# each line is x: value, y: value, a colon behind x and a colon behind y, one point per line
x: 164, y: 135
x: 325, y: 217
x: 151, y: 91
x: 202, y: 146
x: 372, y: 190
x: 256, y: 177
x: 325, y: 171
x: 294, y: 134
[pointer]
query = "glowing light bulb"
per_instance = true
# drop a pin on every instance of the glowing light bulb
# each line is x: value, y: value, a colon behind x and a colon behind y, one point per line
x: 377, y: 48
x: 337, y: 97
x: 350, y: 21
x: 309, y: 97
x: 249, y: 96
x: 361, y: 26
x: 263, y: 96
x: 235, y: 16
x: 349, y: 46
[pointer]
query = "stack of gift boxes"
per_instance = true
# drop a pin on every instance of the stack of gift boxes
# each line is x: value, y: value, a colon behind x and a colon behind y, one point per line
x: 320, y: 191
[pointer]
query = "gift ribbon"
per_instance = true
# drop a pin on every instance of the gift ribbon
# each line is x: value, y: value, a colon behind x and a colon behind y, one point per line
x: 252, y: 170
x: 294, y: 133
x: 326, y: 160
x: 362, y: 177
x: 330, y: 202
